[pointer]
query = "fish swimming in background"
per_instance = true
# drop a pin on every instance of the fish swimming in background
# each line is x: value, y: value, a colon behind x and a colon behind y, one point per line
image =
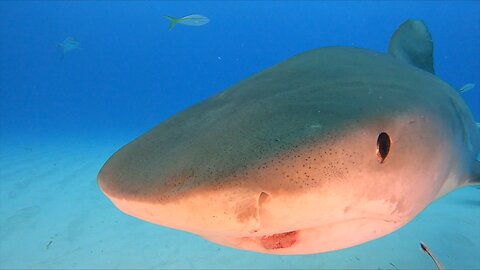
x: 329, y: 149
x: 429, y: 253
x: 69, y: 44
x: 467, y: 87
x: 192, y: 20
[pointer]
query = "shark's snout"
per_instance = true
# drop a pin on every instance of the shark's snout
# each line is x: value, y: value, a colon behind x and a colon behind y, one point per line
x: 201, y: 209
x: 229, y: 217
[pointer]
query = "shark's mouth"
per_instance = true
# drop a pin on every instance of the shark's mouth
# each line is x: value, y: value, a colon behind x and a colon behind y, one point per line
x: 278, y: 243
x: 279, y: 240
x: 322, y: 238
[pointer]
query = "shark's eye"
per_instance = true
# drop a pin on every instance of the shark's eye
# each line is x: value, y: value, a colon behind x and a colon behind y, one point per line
x: 383, y: 146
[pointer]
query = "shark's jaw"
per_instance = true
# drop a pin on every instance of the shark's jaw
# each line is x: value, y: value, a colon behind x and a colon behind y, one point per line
x: 351, y: 229
x: 323, y: 238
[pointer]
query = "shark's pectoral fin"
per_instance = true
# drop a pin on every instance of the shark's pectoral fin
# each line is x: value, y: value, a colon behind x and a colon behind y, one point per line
x: 413, y: 44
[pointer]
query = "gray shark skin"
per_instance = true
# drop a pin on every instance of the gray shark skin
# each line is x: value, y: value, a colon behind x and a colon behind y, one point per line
x: 329, y: 149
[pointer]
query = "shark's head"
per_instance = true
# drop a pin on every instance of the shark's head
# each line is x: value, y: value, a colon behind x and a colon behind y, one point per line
x: 330, y: 149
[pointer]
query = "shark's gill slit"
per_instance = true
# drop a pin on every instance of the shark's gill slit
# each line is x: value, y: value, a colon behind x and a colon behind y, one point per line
x: 383, y: 146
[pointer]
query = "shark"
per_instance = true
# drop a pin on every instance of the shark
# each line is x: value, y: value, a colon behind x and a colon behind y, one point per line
x: 329, y: 149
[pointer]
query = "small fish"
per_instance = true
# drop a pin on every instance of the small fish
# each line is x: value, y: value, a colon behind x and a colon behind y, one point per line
x: 427, y: 250
x: 466, y: 87
x: 192, y: 20
x: 69, y: 44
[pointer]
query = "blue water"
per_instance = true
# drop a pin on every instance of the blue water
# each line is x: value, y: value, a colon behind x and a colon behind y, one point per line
x: 131, y: 73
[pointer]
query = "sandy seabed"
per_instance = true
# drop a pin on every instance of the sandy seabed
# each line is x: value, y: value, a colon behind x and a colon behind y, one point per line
x: 53, y: 215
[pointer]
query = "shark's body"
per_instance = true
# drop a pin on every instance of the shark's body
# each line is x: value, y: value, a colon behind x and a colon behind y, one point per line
x: 291, y: 160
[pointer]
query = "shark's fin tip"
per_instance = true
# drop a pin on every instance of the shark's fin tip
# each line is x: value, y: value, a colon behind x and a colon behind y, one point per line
x: 412, y: 43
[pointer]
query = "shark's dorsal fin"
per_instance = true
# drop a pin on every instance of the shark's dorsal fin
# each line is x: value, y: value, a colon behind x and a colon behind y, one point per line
x: 413, y: 44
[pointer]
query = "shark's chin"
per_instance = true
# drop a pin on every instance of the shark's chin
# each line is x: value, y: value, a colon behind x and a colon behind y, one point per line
x: 323, y: 238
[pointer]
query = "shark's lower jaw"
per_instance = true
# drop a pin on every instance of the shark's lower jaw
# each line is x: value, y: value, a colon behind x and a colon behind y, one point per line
x: 276, y: 236
x: 278, y: 243
x: 277, y: 229
x: 272, y: 243
x: 324, y: 238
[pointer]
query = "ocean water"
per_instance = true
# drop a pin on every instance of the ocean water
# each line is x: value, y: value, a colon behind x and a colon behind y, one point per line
x: 63, y: 114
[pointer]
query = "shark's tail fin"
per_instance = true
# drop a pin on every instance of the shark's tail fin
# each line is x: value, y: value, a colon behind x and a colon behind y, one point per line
x: 173, y: 21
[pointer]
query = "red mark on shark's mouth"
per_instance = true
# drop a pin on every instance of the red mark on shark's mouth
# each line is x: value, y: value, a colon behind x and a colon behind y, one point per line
x: 279, y: 240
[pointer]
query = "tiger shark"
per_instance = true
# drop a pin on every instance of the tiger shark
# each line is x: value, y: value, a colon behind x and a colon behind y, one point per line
x: 329, y: 149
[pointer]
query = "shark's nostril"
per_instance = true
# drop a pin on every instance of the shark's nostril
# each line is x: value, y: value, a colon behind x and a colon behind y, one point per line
x: 261, y: 199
